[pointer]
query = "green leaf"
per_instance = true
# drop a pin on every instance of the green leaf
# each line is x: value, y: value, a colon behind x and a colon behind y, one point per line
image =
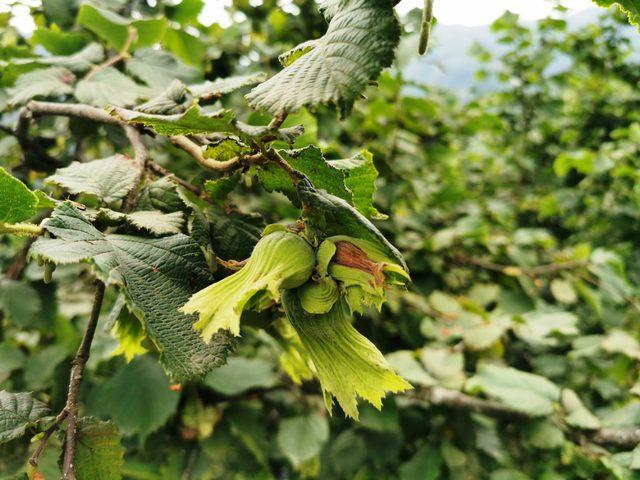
x: 48, y: 82
x: 194, y: 120
x: 630, y: 7
x: 11, y: 358
x: 115, y: 29
x: 223, y: 86
x: 110, y: 87
x: 174, y: 99
x: 109, y: 178
x: 219, y: 189
x: 241, y: 374
x: 185, y: 12
x: 18, y: 411
x: 619, y: 341
x: 327, y: 215
x: 159, y: 276
x: 17, y: 202
x: 159, y: 69
x: 235, y: 234
x: 152, y: 221
x: 99, y: 454
x: 445, y: 365
x: 301, y: 438
x: 424, y: 465
x: 526, y: 392
x: 405, y: 363
x: 361, y: 174
x: 185, y: 46
x: 225, y: 148
x: 563, y: 291
x: 58, y: 42
x: 149, y: 399
x: 577, y: 414
x: 309, y: 161
x: 543, y: 434
x: 20, y: 303
x: 77, y: 62
x: 359, y: 42
x: 539, y: 327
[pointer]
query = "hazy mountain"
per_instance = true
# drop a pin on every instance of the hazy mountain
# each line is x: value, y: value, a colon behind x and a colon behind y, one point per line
x: 449, y: 63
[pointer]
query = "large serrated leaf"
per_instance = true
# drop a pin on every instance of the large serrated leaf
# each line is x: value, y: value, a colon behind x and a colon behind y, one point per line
x: 151, y: 221
x: 18, y: 411
x: 630, y: 7
x: 17, y: 202
x: 309, y: 161
x: 77, y: 62
x: 159, y: 277
x: 359, y: 42
x: 159, y: 69
x: 360, y: 178
x: 222, y: 86
x: 174, y: 99
x: 194, y: 120
x: 109, y: 178
x: 47, y: 82
x: 99, y: 454
x: 110, y: 87
x: 235, y: 234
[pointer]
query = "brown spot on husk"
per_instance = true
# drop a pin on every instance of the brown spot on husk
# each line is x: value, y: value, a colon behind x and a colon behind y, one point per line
x: 350, y: 255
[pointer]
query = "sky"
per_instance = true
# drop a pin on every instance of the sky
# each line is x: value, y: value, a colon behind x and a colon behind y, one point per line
x: 448, y: 12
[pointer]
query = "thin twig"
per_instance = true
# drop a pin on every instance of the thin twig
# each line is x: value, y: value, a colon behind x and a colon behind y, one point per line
x: 77, y: 372
x: 122, y: 55
x: 142, y: 157
x: 195, y: 151
x: 34, y: 459
x: 163, y: 172
x: 275, y: 156
x: 78, y: 110
x: 278, y: 120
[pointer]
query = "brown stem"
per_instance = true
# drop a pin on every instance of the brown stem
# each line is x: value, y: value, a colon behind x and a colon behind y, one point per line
x: 78, y: 110
x: 122, y: 55
x: 163, y: 172
x: 274, y: 156
x: 34, y: 459
x: 278, y: 120
x: 77, y: 372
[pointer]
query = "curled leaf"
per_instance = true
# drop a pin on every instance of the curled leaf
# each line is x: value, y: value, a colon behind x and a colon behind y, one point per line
x: 328, y: 215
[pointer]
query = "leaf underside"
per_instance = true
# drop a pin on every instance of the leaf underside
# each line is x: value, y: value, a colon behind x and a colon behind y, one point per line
x: 359, y: 42
x: 159, y: 276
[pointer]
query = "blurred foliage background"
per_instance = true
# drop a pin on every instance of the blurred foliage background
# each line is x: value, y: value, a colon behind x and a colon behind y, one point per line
x: 517, y: 210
